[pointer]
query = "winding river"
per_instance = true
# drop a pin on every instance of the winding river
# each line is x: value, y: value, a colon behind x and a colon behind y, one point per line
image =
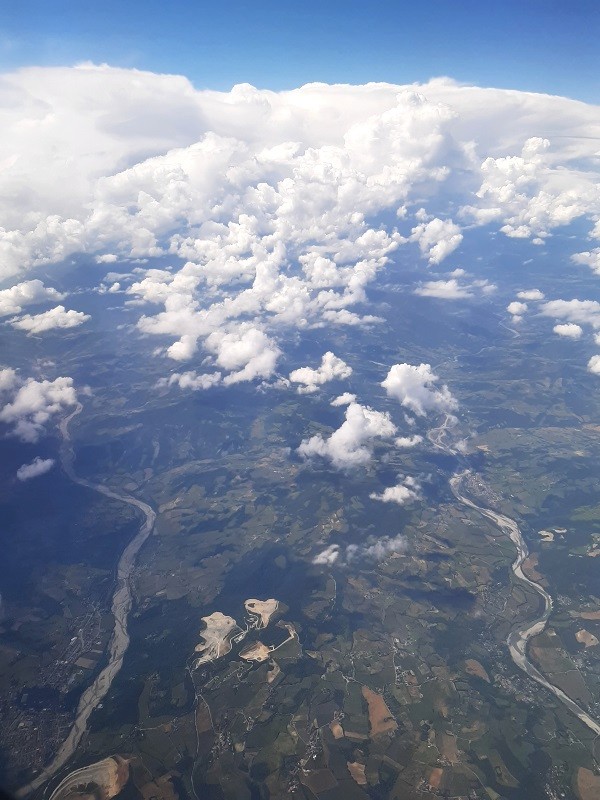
x: 121, y: 606
x: 520, y: 635
x: 122, y: 599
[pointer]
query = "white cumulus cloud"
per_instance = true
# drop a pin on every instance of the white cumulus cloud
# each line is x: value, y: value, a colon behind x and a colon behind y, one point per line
x: 247, y: 352
x: 372, y: 550
x: 437, y: 239
x: 516, y: 308
x: 278, y: 209
x: 594, y: 365
x: 33, y: 403
x: 406, y: 442
x: 328, y: 556
x: 56, y: 318
x: 530, y: 294
x: 343, y: 399
x: 415, y: 388
x: 452, y: 289
x: 569, y: 330
x: 39, y: 466
x: 8, y: 379
x: 404, y: 492
x: 376, y: 549
x: 580, y: 312
x: 351, y: 445
x: 191, y: 380
x: 591, y: 258
x: 222, y: 170
x: 13, y: 300
x: 331, y: 368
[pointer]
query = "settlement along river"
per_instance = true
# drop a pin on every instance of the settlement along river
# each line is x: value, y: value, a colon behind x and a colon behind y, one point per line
x: 121, y: 606
x: 520, y: 635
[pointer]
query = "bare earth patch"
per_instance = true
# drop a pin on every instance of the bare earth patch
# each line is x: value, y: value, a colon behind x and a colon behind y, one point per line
x: 473, y: 667
x: 256, y: 652
x: 109, y: 776
x: 448, y: 747
x: 529, y: 567
x: 435, y: 777
x: 357, y: 770
x: 589, y: 615
x: 337, y: 730
x: 588, y: 784
x: 380, y: 717
x: 586, y: 638
x: 217, y: 637
x: 264, y: 609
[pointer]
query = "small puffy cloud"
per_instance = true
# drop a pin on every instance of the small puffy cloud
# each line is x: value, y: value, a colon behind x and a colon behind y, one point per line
x: 372, y: 550
x: 343, y: 399
x: 106, y: 258
x: 39, y: 466
x: 247, y: 352
x: 8, y: 379
x: 404, y: 492
x: 191, y: 380
x: 34, y: 403
x: 376, y: 550
x: 56, y: 318
x: 415, y: 388
x: 111, y: 277
x: 436, y: 239
x: 13, y: 300
x: 328, y: 556
x: 453, y: 290
x: 183, y: 349
x: 568, y: 330
x: 591, y: 259
x: 530, y: 294
x: 594, y: 365
x: 406, y: 442
x: 581, y: 312
x: 331, y: 368
x: 516, y: 308
x: 444, y: 290
x: 352, y: 444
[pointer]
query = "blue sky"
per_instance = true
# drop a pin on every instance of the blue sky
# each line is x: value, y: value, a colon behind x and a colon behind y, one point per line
x: 538, y: 45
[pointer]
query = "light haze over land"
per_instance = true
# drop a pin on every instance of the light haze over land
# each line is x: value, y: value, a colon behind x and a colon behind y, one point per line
x: 299, y: 401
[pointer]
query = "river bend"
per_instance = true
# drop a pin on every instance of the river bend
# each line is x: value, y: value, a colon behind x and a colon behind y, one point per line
x: 521, y: 634
x: 120, y: 607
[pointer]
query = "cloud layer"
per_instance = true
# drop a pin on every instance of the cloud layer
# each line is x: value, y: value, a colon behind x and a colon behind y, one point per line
x: 277, y: 209
x: 73, y: 180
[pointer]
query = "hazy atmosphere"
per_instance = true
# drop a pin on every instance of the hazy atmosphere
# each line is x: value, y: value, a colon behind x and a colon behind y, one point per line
x: 299, y: 401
